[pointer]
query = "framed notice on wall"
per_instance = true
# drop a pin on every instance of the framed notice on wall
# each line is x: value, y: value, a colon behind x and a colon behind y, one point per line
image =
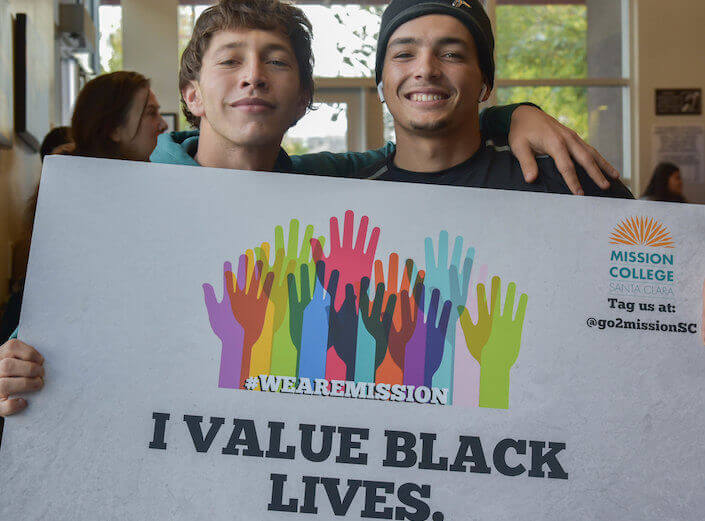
x: 679, y: 102
x: 230, y: 345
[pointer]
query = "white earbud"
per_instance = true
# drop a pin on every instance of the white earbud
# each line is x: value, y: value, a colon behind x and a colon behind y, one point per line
x: 483, y: 91
x: 380, y: 93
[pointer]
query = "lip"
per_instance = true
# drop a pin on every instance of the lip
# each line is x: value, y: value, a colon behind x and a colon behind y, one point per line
x: 253, y: 105
x: 427, y: 96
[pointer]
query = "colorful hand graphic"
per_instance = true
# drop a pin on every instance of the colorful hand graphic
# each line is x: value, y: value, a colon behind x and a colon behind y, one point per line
x: 229, y: 330
x: 502, y: 348
x: 249, y: 306
x: 342, y: 335
x: 315, y: 324
x: 377, y: 325
x: 453, y: 286
x: 476, y: 335
x: 399, y: 336
x: 435, y: 337
x: 352, y: 263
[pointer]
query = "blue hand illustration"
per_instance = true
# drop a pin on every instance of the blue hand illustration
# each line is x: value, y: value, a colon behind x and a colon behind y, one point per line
x: 315, y: 325
x: 453, y: 286
x: 435, y: 336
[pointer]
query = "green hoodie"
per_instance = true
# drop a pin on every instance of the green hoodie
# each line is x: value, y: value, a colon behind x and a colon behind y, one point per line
x: 179, y: 148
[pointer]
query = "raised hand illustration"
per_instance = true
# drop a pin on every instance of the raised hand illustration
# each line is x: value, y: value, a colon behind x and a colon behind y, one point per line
x: 415, y: 353
x: 502, y: 347
x: 376, y: 324
x: 342, y: 334
x: 435, y: 336
x: 248, y: 301
x: 314, y: 322
x: 399, y: 335
x: 477, y: 334
x: 452, y: 281
x: 352, y: 262
x: 229, y: 330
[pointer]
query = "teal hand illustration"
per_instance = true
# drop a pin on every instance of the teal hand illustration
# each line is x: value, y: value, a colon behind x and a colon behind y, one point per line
x: 502, y: 348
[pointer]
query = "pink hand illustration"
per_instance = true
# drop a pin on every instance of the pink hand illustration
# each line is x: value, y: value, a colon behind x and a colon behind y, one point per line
x: 353, y: 263
x: 229, y: 330
x: 249, y: 306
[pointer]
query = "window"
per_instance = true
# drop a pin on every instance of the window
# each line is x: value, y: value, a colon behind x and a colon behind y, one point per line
x: 110, y: 44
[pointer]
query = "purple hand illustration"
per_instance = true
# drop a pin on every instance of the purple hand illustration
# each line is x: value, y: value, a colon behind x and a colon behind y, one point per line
x: 229, y: 330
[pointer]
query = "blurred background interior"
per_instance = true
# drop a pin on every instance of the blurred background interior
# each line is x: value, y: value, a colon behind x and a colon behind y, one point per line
x: 596, y: 65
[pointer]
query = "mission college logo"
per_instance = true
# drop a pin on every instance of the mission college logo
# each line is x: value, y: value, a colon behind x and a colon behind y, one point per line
x: 641, y: 231
x: 293, y: 319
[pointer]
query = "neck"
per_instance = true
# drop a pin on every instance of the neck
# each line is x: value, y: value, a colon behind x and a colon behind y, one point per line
x: 433, y: 152
x: 214, y: 150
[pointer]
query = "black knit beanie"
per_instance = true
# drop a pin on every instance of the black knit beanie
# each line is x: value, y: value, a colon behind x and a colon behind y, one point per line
x: 469, y: 12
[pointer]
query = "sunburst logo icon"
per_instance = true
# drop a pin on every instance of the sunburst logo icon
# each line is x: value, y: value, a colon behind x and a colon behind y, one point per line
x: 642, y: 231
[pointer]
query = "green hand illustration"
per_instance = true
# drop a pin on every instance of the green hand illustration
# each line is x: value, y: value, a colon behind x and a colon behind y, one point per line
x: 476, y: 335
x: 502, y: 347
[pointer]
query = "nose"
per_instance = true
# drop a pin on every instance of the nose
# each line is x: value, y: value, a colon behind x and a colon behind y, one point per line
x: 253, y: 75
x: 162, y: 125
x: 427, y: 66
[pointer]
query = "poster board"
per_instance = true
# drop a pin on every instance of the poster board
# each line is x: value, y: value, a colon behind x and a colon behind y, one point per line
x: 603, y: 415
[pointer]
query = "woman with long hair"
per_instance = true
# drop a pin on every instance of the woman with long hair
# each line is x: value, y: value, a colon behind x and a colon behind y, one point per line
x: 116, y: 116
x: 665, y: 185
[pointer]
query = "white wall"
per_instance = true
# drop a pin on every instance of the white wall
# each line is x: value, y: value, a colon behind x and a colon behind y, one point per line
x: 150, y: 46
x: 669, y: 45
x: 19, y: 166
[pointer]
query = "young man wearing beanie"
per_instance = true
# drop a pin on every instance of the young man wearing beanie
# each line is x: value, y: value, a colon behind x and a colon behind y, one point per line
x: 434, y: 66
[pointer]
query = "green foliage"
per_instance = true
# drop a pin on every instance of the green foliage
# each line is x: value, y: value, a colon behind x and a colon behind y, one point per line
x: 545, y: 41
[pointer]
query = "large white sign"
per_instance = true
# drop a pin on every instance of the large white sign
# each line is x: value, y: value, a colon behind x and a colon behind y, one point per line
x: 234, y: 345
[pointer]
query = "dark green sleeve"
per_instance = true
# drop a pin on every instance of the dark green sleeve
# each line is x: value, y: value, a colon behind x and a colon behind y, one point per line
x: 495, y: 121
x: 339, y: 164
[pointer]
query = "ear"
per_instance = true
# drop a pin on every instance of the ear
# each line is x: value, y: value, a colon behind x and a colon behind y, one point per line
x: 484, y: 93
x: 115, y: 135
x: 193, y: 98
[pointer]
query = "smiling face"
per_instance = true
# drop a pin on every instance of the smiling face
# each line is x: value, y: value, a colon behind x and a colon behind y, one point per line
x: 248, y: 91
x: 431, y: 76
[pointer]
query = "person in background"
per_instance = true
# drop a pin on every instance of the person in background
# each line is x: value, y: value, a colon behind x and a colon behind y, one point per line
x: 116, y: 116
x: 665, y: 185
x: 54, y: 143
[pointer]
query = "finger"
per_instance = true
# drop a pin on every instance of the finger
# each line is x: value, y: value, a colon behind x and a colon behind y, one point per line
x: 267, y: 288
x: 278, y: 238
x: 564, y: 164
x: 457, y: 251
x: 465, y: 320
x: 10, y: 406
x: 445, y: 316
x: 320, y: 274
x: 454, y: 284
x: 317, y: 250
x: 580, y: 151
x: 14, y: 348
x: 362, y: 234
x: 364, y: 295
x: 334, y: 234
x: 481, y: 301
x: 509, y: 300
x: 227, y: 268
x: 12, y: 367
x: 374, y: 239
x: 379, y: 300
x: 20, y: 384
x: 379, y: 272
x: 405, y: 307
x: 305, y: 284
x: 209, y: 294
x: 605, y: 165
x: 293, y: 296
x: 393, y: 273
x: 408, y: 274
x: 348, y: 229
x: 521, y: 310
x: 529, y: 168
x: 306, y: 244
x: 433, y: 307
x: 333, y: 284
x: 494, y: 298
x: 467, y: 271
x: 391, y: 305
x: 293, y: 248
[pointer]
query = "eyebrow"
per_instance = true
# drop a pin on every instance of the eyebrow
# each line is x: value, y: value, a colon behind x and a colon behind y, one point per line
x: 448, y: 40
x: 239, y: 45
